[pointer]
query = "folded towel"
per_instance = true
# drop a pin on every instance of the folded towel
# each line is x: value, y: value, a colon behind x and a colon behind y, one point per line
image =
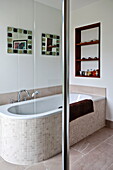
x: 80, y: 108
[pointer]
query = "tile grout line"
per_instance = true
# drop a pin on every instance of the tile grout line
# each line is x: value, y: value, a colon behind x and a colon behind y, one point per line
x: 81, y: 145
x: 99, y: 144
x: 78, y: 151
x: 77, y: 160
x: 109, y: 166
x: 86, y: 147
x: 108, y: 143
x: 92, y: 150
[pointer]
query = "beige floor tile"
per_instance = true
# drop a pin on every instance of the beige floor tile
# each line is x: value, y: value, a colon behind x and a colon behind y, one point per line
x: 110, y: 140
x: 7, y: 166
x: 99, y: 159
x: 1, y: 159
x: 85, y: 162
x: 75, y: 156
x: 103, y: 133
x: 80, y: 146
x: 93, y: 140
x: 54, y: 163
x: 110, y: 167
x: 106, y: 148
x: 87, y: 145
x: 38, y: 166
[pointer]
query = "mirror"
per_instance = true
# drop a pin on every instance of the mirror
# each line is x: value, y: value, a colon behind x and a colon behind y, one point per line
x: 22, y: 64
x: 50, y: 44
x: 19, y: 41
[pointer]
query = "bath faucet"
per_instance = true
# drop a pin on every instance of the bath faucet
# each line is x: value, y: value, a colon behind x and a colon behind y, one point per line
x: 35, y: 93
x: 28, y: 94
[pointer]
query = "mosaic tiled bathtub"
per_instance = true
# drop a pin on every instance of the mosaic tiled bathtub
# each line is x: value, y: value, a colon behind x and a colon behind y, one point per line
x: 33, y: 134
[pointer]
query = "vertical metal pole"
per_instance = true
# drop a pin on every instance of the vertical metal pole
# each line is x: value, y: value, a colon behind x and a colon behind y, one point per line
x: 65, y: 55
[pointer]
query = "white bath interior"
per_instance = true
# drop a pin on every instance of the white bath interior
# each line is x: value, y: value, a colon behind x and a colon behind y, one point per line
x: 40, y: 107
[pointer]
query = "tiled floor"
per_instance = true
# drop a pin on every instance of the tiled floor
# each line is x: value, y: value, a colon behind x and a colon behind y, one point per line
x: 93, y: 153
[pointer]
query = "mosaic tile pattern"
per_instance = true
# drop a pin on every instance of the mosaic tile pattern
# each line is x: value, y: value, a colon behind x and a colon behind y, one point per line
x: 88, y: 124
x: 55, y: 48
x: 92, y: 153
x: 27, y: 49
x: 30, y: 141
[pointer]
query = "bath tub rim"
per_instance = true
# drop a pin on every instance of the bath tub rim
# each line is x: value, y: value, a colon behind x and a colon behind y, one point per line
x: 5, y: 113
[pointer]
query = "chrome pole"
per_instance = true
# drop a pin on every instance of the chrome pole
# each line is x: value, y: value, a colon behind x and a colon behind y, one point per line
x: 65, y: 56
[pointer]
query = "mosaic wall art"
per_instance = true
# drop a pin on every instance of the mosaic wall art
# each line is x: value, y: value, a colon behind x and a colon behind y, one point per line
x: 19, y: 41
x: 50, y: 44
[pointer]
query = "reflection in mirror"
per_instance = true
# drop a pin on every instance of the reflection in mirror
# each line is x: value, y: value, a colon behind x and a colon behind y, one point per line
x: 50, y: 44
x: 19, y: 41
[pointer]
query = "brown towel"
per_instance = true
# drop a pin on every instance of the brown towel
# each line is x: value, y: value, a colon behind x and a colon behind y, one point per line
x: 80, y: 108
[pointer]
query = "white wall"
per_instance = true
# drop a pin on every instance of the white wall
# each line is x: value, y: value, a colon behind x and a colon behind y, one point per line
x: 48, y: 69
x: 28, y: 71
x: 14, y: 68
x: 97, y: 12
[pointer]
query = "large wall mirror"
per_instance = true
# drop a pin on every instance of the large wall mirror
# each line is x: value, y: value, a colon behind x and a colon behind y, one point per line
x: 19, y: 41
x: 24, y: 65
x: 50, y: 44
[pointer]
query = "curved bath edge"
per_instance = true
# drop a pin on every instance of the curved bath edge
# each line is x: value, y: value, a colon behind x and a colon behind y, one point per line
x: 29, y: 141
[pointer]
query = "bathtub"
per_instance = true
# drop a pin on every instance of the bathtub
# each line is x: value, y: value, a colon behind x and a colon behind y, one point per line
x: 40, y: 107
x: 31, y: 130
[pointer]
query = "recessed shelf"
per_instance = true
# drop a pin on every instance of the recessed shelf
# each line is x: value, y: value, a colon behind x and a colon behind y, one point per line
x: 88, y: 43
x: 88, y: 59
x: 95, y: 40
x: 88, y: 76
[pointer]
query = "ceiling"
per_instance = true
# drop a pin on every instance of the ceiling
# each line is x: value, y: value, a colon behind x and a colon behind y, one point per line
x: 75, y: 4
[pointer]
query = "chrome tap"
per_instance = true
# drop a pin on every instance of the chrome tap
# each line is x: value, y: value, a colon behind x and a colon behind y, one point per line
x: 28, y: 94
x: 35, y: 93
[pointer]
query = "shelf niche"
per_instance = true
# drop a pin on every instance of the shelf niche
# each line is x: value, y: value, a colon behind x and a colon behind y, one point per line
x: 90, y: 42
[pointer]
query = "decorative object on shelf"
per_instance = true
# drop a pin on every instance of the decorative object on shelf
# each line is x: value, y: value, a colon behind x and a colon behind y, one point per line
x: 89, y: 73
x: 83, y: 58
x: 94, y: 73
x: 81, y: 61
x: 80, y: 72
x: 83, y: 73
x: 19, y: 41
x: 50, y: 44
x: 88, y: 58
x: 95, y: 57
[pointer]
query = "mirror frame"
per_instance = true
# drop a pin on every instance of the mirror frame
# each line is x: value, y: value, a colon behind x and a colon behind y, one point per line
x: 27, y: 42
x: 47, y: 50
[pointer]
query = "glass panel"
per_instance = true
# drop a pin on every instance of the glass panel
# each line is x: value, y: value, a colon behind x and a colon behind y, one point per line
x: 48, y: 82
x: 31, y: 86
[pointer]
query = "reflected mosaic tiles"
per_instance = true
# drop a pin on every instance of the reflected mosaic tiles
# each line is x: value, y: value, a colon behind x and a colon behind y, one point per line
x: 50, y: 44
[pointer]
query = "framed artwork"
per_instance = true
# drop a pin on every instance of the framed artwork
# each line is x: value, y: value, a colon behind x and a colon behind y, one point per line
x: 17, y: 44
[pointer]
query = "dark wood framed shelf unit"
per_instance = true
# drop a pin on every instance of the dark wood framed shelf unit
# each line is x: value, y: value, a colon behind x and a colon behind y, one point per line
x: 78, y: 57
